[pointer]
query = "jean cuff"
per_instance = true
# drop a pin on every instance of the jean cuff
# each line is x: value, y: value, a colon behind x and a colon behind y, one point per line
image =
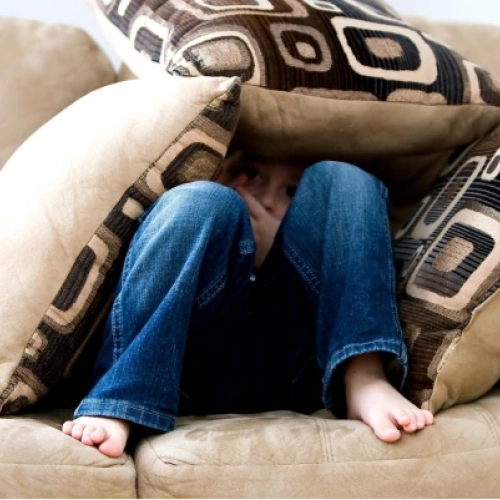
x: 133, y: 413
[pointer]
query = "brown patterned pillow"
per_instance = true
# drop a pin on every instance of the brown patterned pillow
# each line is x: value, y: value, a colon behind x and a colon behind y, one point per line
x: 69, y: 200
x: 342, y: 79
x: 450, y: 281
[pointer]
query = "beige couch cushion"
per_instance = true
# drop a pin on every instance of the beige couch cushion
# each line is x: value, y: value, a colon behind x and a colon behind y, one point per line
x: 44, y: 69
x: 69, y: 200
x: 38, y: 461
x: 287, y: 455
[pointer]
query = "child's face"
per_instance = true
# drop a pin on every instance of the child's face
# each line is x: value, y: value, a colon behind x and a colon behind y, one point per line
x: 271, y: 182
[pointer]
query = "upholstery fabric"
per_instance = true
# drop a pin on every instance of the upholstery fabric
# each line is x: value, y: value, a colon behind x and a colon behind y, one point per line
x: 287, y: 455
x: 38, y: 461
x: 472, y: 40
x: 344, y: 79
x: 449, y: 302
x: 453, y: 353
x: 44, y: 69
x: 77, y: 187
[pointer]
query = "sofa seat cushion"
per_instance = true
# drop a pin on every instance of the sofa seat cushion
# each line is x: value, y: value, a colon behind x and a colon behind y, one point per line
x: 288, y: 455
x: 38, y: 460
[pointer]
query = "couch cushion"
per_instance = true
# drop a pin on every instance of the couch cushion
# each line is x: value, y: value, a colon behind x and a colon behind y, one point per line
x: 344, y: 79
x: 38, y: 461
x: 44, y: 69
x: 449, y: 285
x: 69, y: 200
x: 287, y: 455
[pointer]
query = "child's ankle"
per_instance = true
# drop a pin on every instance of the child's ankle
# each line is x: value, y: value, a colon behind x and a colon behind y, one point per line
x: 364, y: 367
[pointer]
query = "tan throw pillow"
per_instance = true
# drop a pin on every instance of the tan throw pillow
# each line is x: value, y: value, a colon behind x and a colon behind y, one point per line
x: 450, y: 281
x: 69, y: 200
x: 44, y: 69
x: 338, y: 79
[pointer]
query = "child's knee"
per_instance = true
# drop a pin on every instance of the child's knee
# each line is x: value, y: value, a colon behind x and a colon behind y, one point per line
x: 353, y: 178
x: 200, y: 199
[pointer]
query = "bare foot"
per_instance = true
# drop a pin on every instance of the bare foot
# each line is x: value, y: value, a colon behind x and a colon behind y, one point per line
x: 372, y: 399
x: 108, y: 434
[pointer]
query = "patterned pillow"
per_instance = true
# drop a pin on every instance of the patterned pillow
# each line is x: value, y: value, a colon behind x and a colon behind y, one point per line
x: 450, y: 281
x: 343, y: 79
x: 471, y: 39
x: 69, y: 200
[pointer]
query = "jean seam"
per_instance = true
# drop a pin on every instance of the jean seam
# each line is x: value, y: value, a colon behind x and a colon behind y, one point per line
x: 246, y: 247
x: 304, y: 270
x: 117, y: 316
x: 211, y: 290
x: 392, y: 270
x: 384, y: 343
x: 118, y: 404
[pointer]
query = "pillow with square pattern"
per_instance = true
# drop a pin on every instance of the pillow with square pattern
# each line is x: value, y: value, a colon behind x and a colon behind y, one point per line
x: 342, y: 79
x: 449, y: 304
x: 69, y: 200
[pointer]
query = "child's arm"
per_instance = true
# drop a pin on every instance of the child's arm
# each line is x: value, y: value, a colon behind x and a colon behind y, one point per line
x: 264, y: 225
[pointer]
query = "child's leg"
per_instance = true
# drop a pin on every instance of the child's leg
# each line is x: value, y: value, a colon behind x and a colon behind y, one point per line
x: 179, y: 260
x: 336, y: 234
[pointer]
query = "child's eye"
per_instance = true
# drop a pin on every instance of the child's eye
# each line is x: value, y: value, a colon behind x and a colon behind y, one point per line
x: 290, y: 191
x: 252, y: 172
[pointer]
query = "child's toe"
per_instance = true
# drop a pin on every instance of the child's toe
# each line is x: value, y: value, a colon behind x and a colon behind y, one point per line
x: 401, y: 417
x: 98, y: 435
x: 77, y: 431
x: 87, y: 435
x: 420, y: 420
x: 385, y: 428
x: 428, y: 416
x: 113, y: 446
x: 412, y: 425
x: 68, y: 427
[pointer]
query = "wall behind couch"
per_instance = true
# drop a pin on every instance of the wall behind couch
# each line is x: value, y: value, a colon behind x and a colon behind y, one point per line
x: 481, y: 11
x: 77, y: 12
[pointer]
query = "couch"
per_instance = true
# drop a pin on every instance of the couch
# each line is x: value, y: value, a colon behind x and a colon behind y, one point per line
x: 277, y: 454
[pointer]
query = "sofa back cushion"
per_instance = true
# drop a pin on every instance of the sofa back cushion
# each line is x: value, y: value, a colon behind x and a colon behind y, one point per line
x: 69, y: 200
x: 44, y: 69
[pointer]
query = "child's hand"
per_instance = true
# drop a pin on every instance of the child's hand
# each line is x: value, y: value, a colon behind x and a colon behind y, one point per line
x: 264, y: 225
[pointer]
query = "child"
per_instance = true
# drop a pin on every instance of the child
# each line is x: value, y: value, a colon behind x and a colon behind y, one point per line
x: 193, y: 331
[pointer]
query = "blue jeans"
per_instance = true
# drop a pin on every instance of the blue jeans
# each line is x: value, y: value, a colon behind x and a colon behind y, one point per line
x: 190, y: 333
